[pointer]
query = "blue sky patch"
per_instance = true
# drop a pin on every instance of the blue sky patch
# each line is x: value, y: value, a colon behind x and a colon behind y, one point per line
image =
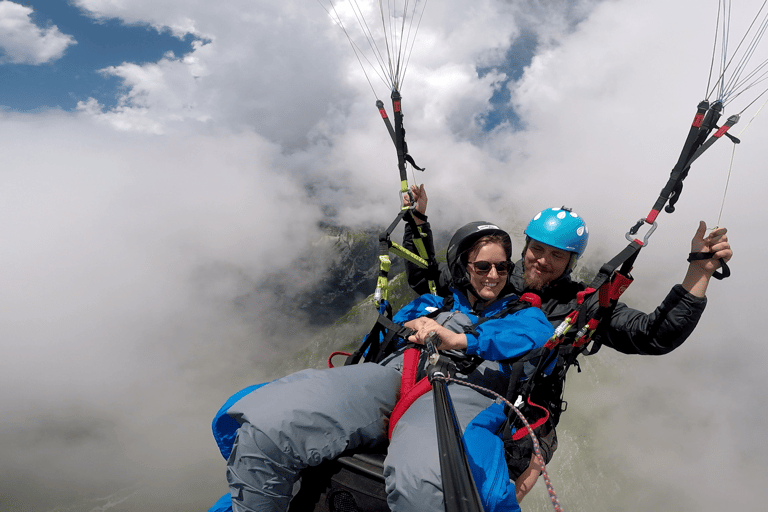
x: 74, y: 77
x: 518, y: 56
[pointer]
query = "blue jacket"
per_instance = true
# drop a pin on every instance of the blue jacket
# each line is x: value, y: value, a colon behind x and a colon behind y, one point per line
x: 496, y: 339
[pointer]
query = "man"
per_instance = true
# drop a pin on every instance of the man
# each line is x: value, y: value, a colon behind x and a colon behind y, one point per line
x: 555, y: 239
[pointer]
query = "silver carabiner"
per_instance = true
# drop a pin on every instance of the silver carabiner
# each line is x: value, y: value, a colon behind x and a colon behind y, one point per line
x: 630, y: 234
x: 409, y: 194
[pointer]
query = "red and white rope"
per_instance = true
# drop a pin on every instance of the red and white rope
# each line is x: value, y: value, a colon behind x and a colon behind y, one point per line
x: 536, y: 448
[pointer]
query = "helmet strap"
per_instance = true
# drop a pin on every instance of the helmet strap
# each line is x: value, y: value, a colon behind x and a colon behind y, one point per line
x: 571, y: 264
x: 480, y: 302
x: 525, y: 247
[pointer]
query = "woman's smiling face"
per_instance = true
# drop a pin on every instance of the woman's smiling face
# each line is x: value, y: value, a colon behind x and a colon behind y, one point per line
x: 487, y: 285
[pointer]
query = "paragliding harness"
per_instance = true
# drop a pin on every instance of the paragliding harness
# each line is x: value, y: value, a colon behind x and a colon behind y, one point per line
x: 386, y: 335
x: 420, y: 365
x: 614, y: 277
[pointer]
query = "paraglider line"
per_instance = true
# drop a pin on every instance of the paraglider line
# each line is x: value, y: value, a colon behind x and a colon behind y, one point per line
x: 355, y: 48
x: 728, y: 87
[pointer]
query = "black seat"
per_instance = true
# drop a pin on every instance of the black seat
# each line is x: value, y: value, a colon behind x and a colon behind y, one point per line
x: 352, y: 483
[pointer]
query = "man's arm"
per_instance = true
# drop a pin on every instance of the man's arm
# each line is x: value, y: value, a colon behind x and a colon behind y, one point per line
x: 633, y: 332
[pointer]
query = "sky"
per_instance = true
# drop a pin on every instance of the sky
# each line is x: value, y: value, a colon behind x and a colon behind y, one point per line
x: 167, y: 170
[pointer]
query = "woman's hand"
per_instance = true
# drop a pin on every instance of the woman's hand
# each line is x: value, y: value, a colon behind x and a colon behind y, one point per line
x: 420, y: 200
x: 448, y: 339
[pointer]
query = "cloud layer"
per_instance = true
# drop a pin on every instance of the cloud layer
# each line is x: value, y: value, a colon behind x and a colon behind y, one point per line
x: 139, y: 240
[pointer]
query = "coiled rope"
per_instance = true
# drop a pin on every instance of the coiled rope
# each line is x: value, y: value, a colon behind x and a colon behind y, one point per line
x: 536, y: 448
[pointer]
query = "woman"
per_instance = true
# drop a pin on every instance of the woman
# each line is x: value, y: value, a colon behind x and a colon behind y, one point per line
x: 315, y: 415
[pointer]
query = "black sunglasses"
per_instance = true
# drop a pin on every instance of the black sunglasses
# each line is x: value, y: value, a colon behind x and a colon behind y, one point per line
x: 483, y: 267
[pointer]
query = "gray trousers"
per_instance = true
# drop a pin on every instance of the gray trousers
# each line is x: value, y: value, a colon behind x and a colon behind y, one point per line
x: 315, y: 415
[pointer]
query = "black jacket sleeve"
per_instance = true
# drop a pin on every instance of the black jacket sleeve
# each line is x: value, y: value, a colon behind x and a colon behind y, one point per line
x: 418, y: 277
x: 633, y: 332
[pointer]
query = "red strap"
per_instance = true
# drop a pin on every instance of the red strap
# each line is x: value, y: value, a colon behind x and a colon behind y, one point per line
x: 334, y: 354
x: 605, y: 295
x: 410, y: 366
x: 410, y: 390
x: 520, y: 433
x: 614, y: 289
x: 531, y: 298
x: 580, y: 296
x: 406, y: 401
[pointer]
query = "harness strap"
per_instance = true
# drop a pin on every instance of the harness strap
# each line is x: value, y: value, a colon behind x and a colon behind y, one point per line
x: 521, y: 433
x: 519, y: 387
x: 410, y: 390
x: 608, y: 297
x: 602, y: 282
x: 719, y: 274
x: 610, y: 283
x: 380, y: 341
x: 423, y: 259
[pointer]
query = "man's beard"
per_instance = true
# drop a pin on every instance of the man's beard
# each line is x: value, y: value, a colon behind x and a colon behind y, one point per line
x: 532, y: 281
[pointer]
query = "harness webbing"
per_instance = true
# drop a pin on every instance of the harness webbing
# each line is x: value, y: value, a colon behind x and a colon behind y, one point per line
x: 610, y: 283
x: 410, y: 390
x: 386, y: 245
x: 381, y: 340
x: 522, y: 432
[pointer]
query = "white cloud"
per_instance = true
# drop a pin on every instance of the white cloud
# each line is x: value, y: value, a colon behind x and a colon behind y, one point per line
x: 132, y: 231
x: 162, y: 16
x: 23, y: 42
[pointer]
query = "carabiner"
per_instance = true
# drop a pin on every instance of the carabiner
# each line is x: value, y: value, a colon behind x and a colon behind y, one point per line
x: 630, y: 234
x: 412, y: 203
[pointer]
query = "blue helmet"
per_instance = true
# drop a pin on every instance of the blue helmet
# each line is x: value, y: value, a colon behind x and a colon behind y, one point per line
x: 561, y: 228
